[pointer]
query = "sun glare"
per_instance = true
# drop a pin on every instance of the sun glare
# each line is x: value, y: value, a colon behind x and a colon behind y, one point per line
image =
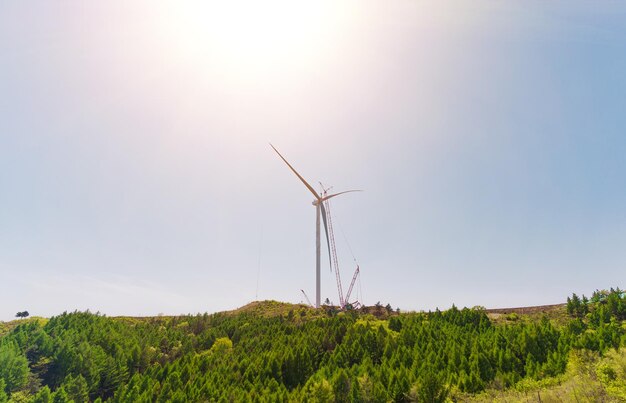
x: 248, y: 37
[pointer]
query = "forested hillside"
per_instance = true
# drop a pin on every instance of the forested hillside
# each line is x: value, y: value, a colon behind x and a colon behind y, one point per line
x: 281, y: 352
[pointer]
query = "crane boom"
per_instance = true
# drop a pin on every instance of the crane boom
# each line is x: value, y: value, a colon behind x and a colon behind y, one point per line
x: 356, y: 274
x: 307, y: 298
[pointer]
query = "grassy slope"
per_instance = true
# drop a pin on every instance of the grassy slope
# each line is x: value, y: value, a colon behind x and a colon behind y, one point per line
x: 556, y: 313
x: 6, y: 327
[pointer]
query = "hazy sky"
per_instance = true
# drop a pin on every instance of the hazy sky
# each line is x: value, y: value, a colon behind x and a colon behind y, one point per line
x: 136, y: 176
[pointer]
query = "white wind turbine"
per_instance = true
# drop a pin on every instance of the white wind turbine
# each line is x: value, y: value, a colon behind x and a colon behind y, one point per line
x: 319, y: 211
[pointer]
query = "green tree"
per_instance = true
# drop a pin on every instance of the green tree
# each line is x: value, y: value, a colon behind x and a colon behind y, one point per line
x: 13, y: 367
x: 76, y: 388
x: 318, y: 390
x: 222, y: 345
x: 43, y: 396
x: 395, y: 323
x: 60, y: 396
x: 21, y: 396
x: 341, y: 386
x: 3, y: 394
x: 430, y: 389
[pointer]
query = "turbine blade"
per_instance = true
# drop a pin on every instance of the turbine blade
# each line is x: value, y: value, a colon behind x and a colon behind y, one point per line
x: 317, y: 196
x: 326, y: 232
x: 337, y: 194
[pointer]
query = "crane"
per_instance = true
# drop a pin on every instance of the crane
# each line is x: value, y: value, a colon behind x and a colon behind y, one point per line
x: 307, y: 298
x: 333, y: 250
x: 355, y: 304
x: 344, y: 303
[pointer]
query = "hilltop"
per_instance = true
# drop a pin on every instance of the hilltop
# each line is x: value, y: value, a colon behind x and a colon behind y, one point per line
x: 274, y: 351
x: 271, y: 308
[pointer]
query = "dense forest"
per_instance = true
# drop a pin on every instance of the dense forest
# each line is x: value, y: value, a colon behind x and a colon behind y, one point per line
x: 272, y: 352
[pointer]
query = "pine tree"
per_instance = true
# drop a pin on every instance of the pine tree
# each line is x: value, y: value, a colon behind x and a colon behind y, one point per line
x: 76, y: 388
x: 43, y: 396
x: 430, y: 388
x: 3, y: 394
x: 13, y: 367
x: 60, y: 396
x: 341, y: 386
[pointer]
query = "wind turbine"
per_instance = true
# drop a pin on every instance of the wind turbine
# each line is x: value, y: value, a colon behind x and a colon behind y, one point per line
x: 319, y: 211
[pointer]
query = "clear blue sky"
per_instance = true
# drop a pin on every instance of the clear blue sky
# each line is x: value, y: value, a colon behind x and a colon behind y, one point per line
x: 136, y: 176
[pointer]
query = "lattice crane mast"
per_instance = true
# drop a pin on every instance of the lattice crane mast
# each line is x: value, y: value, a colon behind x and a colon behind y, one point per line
x: 355, y: 304
x: 333, y: 251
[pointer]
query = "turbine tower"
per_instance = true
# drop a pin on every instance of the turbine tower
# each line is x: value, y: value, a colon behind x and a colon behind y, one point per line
x: 319, y: 211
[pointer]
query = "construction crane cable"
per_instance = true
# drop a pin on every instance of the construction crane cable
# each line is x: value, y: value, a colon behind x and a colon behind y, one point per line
x: 258, y: 272
x: 333, y: 252
x: 345, y: 239
x: 356, y: 277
